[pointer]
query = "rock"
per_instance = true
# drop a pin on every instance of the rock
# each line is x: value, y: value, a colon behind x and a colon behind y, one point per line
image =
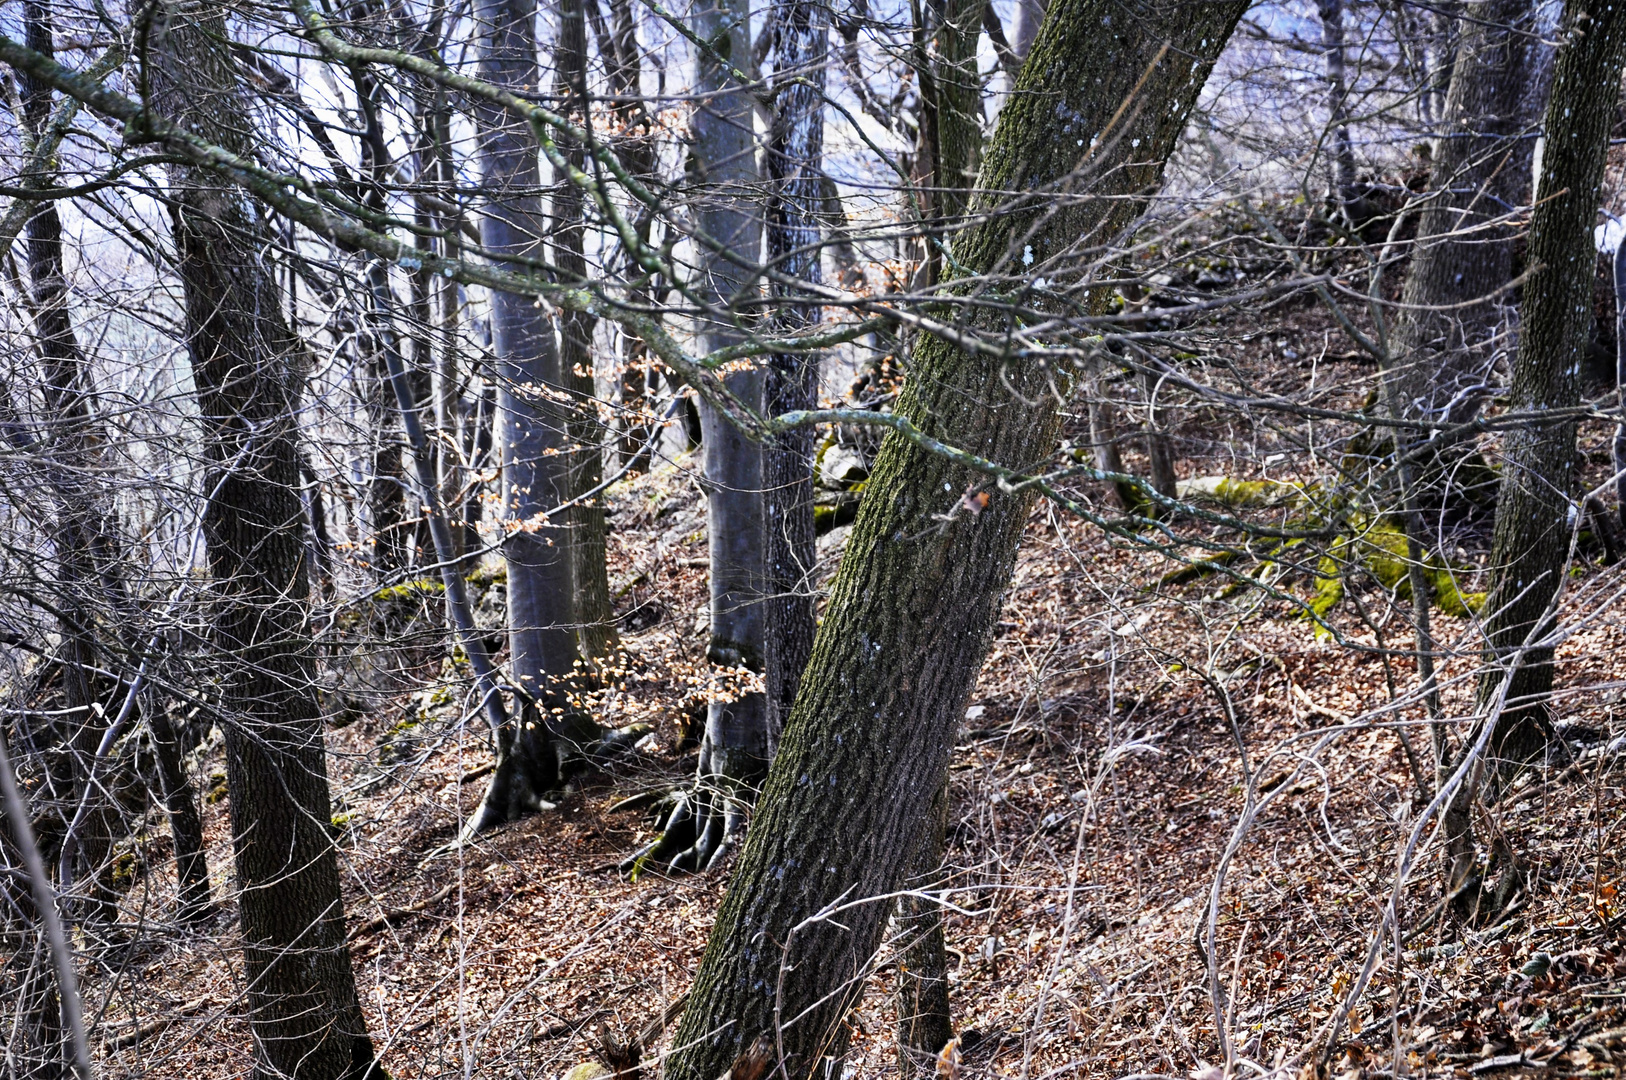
x: 587, y: 1070
x: 840, y: 467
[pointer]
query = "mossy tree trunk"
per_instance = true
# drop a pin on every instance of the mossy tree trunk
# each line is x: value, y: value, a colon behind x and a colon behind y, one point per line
x: 1536, y: 511
x: 866, y: 747
x: 246, y: 367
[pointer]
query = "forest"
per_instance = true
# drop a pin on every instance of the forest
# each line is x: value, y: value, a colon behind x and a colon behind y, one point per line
x: 802, y: 540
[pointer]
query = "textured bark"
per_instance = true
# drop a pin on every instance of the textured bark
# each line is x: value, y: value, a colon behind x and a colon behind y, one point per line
x: 924, y: 1021
x: 1536, y: 512
x: 866, y: 747
x: 595, y: 616
x: 1446, y: 338
x: 532, y: 433
x: 794, y: 165
x: 301, y: 993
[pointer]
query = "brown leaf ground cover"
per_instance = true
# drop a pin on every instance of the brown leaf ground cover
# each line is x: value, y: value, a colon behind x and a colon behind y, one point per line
x: 1121, y: 730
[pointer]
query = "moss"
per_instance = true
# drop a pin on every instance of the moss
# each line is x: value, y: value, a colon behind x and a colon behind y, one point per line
x: 1379, y: 547
x: 124, y: 869
x: 217, y: 788
x: 841, y: 510
x: 1241, y: 493
x: 487, y: 574
x: 408, y: 590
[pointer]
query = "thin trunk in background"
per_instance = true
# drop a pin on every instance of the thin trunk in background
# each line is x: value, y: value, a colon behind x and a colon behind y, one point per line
x: 588, y: 527
x: 1342, y: 153
x: 1455, y: 322
x: 794, y: 166
x: 71, y: 446
x: 912, y: 611
x: 247, y: 369
x: 623, y: 65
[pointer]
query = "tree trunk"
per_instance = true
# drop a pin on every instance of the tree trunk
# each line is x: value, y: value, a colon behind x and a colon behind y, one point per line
x: 532, y: 433
x: 622, y: 57
x: 595, y: 616
x: 924, y: 1021
x: 1342, y: 154
x: 88, y: 536
x: 301, y: 992
x: 1535, y: 512
x: 1618, y: 447
x: 794, y: 164
x: 950, y: 138
x: 1029, y: 17
x: 70, y: 449
x: 1449, y: 330
x: 866, y: 747
x: 737, y: 744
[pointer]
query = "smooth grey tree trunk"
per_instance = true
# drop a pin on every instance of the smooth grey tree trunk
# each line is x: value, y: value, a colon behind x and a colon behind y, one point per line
x: 738, y: 740
x: 1341, y: 152
x: 532, y: 435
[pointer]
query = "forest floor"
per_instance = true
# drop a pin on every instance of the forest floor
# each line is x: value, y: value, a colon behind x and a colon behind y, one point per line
x: 1097, y: 781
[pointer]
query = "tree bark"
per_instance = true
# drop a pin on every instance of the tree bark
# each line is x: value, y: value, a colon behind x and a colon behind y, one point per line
x: 794, y: 165
x: 866, y: 747
x: 1536, y: 511
x: 1342, y: 153
x: 70, y: 448
x: 1447, y: 335
x: 301, y: 992
x: 532, y: 430
x: 738, y: 741
x: 924, y: 1022
x: 595, y: 616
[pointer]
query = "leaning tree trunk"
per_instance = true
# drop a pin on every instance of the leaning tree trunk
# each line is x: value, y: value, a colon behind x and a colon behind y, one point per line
x: 532, y: 432
x: 794, y: 164
x: 1536, y: 510
x: 246, y: 367
x: 595, y: 616
x: 1444, y: 343
x: 911, y: 613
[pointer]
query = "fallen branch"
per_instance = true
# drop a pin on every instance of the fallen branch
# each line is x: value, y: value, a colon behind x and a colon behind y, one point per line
x: 381, y: 921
